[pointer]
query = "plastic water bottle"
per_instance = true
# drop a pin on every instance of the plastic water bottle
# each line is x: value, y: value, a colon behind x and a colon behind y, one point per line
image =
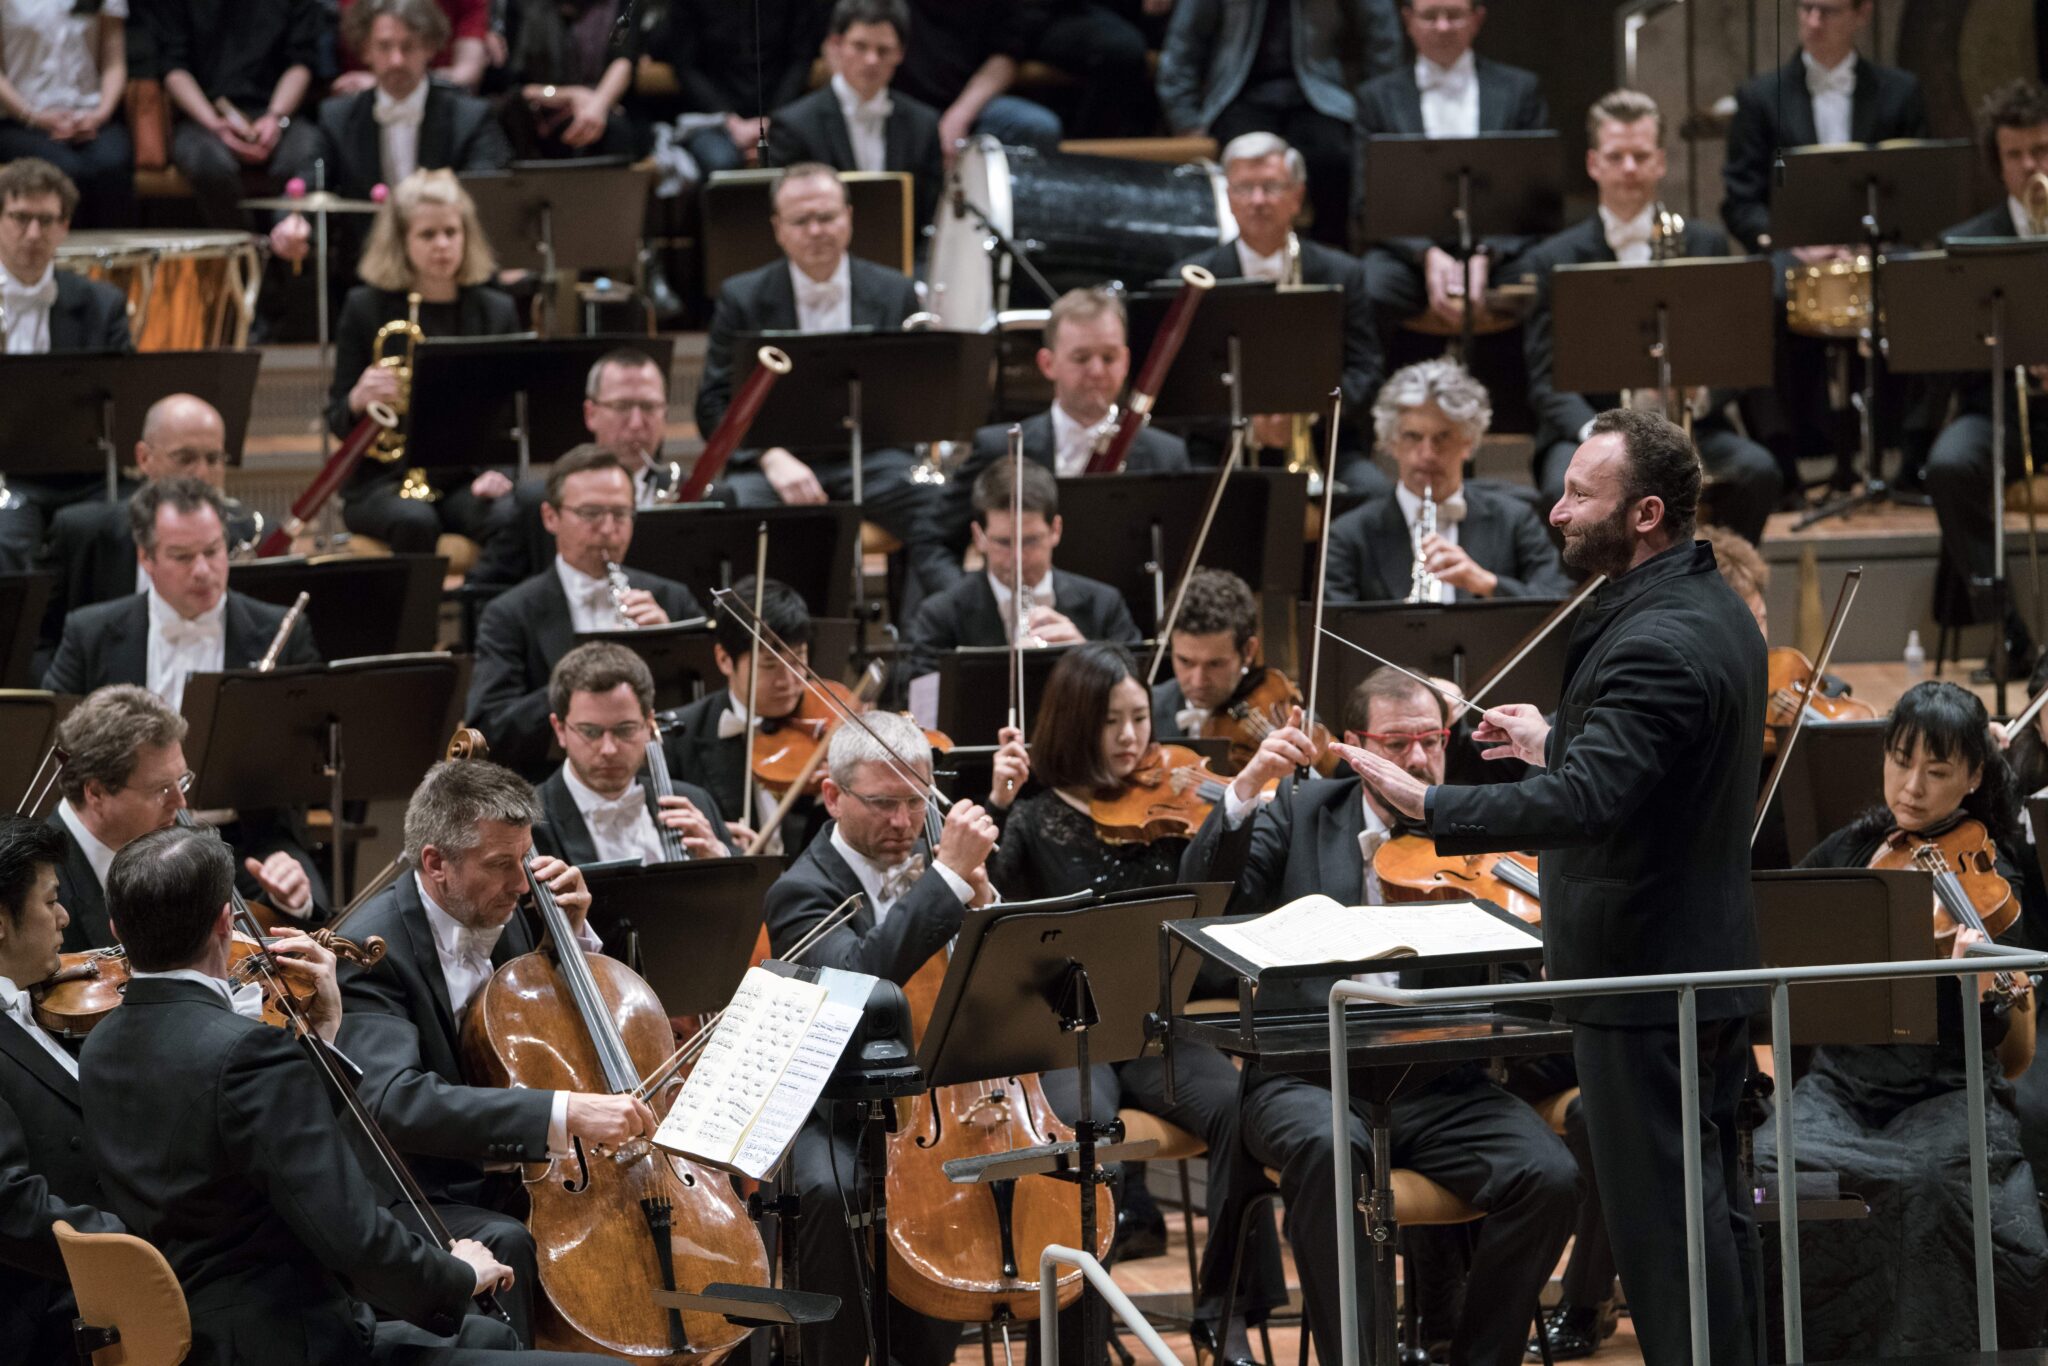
x: 1916, y: 659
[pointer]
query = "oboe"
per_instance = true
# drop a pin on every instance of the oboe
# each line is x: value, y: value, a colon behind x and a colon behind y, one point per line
x: 615, y: 579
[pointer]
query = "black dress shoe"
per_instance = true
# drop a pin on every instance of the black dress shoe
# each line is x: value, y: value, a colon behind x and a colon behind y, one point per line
x: 1575, y: 1332
x: 1137, y: 1239
x: 1203, y: 1334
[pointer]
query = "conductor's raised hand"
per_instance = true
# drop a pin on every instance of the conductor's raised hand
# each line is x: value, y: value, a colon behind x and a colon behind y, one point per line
x: 1285, y: 749
x: 1398, y: 787
x: 968, y: 837
x: 1514, y: 731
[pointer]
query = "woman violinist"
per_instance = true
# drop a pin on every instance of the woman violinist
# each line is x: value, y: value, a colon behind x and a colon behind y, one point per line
x: 1890, y: 1119
x: 425, y: 243
x: 1093, y: 732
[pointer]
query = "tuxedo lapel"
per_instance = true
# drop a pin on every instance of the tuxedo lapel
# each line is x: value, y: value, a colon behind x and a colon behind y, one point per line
x: 1493, y: 97
x: 899, y: 153
x: 1407, y: 103
x: 554, y: 629
x: 67, y: 314
x: 1479, y: 536
x: 437, y: 130
x: 1863, y: 110
x: 32, y: 1059
x: 1038, y: 440
x: 245, y: 640
x: 126, y: 659
x: 866, y: 308
x: 572, y: 832
x: 1392, y: 551
x: 1338, y: 826
x: 841, y: 881
x: 983, y: 618
x: 1798, y: 130
x: 420, y: 936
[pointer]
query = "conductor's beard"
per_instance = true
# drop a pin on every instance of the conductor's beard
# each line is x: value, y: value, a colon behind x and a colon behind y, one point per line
x: 1605, y: 547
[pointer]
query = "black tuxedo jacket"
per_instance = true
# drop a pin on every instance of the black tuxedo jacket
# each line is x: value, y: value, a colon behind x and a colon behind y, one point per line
x: 399, y: 1027
x: 1167, y: 700
x: 918, y: 925
x: 458, y: 132
x: 764, y: 300
x: 218, y: 1141
x: 1153, y: 451
x: 1371, y: 559
x: 564, y: 833
x: 966, y: 614
x: 484, y: 311
x: 1560, y: 414
x: 109, y: 642
x: 1887, y: 103
x: 45, y: 1176
x: 697, y: 754
x: 1643, y: 810
x: 518, y: 641
x: 92, y: 553
x: 813, y: 128
x: 89, y: 315
x: 1364, y: 366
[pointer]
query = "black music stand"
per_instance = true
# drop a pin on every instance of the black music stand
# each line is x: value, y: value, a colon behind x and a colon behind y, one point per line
x: 1668, y: 325
x: 357, y: 605
x: 739, y: 237
x: 1133, y: 533
x: 1974, y: 307
x: 23, y: 599
x: 974, y: 689
x: 1829, y: 780
x: 1252, y: 348
x: 678, y: 655
x: 288, y: 737
x: 1905, y: 191
x: 1459, y: 641
x: 707, y: 545
x: 557, y: 218
x: 1811, y: 916
x: 88, y: 407
x: 504, y: 400
x: 689, y: 928
x: 1477, y: 187
x: 1038, y: 985
x: 28, y: 723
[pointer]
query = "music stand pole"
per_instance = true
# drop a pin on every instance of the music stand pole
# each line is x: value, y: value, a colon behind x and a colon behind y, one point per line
x: 522, y: 433
x: 856, y: 453
x: 106, y: 444
x: 336, y: 839
x: 1077, y: 1016
x: 1871, y: 343
x: 1999, y: 662
x: 1463, y: 216
x: 1660, y: 351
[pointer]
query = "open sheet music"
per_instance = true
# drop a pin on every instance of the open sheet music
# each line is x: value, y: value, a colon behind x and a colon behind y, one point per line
x: 1319, y: 929
x: 770, y: 1055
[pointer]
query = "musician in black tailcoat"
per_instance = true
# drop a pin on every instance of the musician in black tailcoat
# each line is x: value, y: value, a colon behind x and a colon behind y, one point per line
x: 589, y: 509
x: 1460, y: 1129
x: 1449, y: 92
x: 911, y: 902
x: 857, y: 121
x: 1626, y: 162
x: 1642, y: 811
x: 597, y: 807
x: 44, y: 1172
x: 1267, y: 180
x: 450, y: 920
x: 1087, y: 359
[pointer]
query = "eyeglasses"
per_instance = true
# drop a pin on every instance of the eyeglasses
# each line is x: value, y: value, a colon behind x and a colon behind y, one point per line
x: 591, y: 514
x: 625, y: 407
x: 163, y: 793
x: 887, y: 806
x: 625, y: 733
x: 1399, y: 741
x: 1256, y: 189
x: 24, y: 220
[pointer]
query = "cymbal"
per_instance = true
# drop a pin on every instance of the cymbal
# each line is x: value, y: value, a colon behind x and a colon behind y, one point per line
x: 319, y: 201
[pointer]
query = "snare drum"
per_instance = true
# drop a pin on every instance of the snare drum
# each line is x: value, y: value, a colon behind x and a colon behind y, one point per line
x: 1831, y: 299
x: 187, y: 290
x: 1082, y: 220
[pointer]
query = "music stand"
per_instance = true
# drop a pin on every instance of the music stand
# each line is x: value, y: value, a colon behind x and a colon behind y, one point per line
x: 1252, y: 348
x: 557, y: 218
x: 357, y: 605
x: 1828, y: 780
x: 973, y: 693
x: 1903, y: 191
x: 498, y: 400
x: 1975, y: 306
x: 1668, y: 325
x: 689, y: 928
x: 286, y: 738
x: 708, y: 545
x: 1133, y: 532
x: 738, y: 235
x: 28, y: 723
x: 1492, y: 184
x: 1811, y: 916
x: 88, y: 406
x: 23, y: 599
x: 677, y: 654
x: 1460, y: 641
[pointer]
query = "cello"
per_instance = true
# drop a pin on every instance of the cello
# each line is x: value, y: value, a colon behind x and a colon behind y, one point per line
x: 610, y: 1227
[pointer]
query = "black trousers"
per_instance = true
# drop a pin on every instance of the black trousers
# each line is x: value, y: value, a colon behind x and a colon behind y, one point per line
x: 412, y: 525
x: 507, y: 1238
x: 1324, y: 143
x: 216, y: 173
x: 34, y: 502
x: 1958, y: 479
x: 481, y: 1342
x: 1105, y: 53
x: 1745, y: 478
x: 1460, y: 1131
x: 906, y: 510
x: 1628, y: 1079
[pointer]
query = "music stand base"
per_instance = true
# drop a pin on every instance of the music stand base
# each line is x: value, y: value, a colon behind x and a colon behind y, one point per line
x: 753, y: 1306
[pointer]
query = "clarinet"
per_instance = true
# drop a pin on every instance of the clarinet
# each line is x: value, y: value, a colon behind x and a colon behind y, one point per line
x: 615, y: 580
x: 1422, y: 584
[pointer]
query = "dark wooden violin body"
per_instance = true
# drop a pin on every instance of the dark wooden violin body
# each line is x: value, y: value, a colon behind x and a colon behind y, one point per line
x: 1256, y: 711
x: 1168, y: 796
x: 1966, y: 850
x: 89, y: 983
x: 1791, y: 683
x: 1410, y: 869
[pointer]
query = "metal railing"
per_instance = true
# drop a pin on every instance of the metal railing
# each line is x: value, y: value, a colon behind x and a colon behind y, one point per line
x: 1097, y: 1276
x: 1688, y: 987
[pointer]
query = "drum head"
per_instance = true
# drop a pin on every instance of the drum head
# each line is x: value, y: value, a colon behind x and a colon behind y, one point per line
x: 963, y: 260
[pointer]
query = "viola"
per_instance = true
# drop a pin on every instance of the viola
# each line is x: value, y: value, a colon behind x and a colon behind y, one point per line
x: 1168, y: 796
x: 1791, y: 682
x: 1255, y: 711
x: 1969, y: 856
x: 1410, y: 869
x: 89, y: 983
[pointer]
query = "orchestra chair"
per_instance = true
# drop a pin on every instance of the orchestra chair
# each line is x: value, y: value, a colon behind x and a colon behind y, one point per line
x: 131, y: 1309
x: 1551, y: 1109
x: 1176, y: 1145
x: 1173, y: 151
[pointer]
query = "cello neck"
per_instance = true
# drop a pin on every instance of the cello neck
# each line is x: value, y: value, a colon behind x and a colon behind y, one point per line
x: 621, y: 1077
x: 662, y: 785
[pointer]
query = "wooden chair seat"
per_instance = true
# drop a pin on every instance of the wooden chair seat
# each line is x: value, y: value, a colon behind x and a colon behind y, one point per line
x: 460, y: 552
x: 875, y: 541
x: 1419, y: 1200
x: 1174, y: 151
x: 1553, y: 1108
x: 1175, y: 1143
x: 124, y: 1285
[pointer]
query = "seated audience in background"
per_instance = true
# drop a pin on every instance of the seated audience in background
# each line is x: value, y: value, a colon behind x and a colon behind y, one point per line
x: 963, y: 59
x: 1488, y: 541
x: 568, y: 68
x: 737, y: 63
x: 858, y: 121
x: 63, y: 68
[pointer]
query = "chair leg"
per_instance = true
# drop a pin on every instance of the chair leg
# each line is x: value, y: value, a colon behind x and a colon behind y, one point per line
x: 1252, y: 1208
x: 1543, y: 1337
x: 988, y: 1347
x: 1187, y: 1224
x: 87, y: 1339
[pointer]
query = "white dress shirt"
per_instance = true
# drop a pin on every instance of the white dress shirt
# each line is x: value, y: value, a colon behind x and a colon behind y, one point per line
x: 28, y: 311
x: 2019, y: 217
x: 245, y: 1000
x: 874, y: 877
x: 97, y: 854
x: 465, y: 956
x: 867, y: 122
x: 1073, y: 443
x: 1834, y: 93
x: 590, y: 600
x: 1253, y: 266
x: 1041, y: 596
x: 1450, y: 96
x: 17, y: 1003
x: 824, y: 305
x: 1628, y: 239
x: 179, y: 648
x: 620, y: 827
x: 398, y: 131
x: 52, y: 53
x: 1446, y: 526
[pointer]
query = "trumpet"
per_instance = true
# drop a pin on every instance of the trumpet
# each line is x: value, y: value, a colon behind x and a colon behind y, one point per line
x: 615, y: 580
x: 389, y: 447
x: 1422, y: 585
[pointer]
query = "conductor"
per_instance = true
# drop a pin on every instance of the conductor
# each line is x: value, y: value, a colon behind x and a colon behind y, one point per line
x: 1641, y: 800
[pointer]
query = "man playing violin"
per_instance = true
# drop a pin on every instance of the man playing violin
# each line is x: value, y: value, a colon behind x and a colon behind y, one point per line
x: 448, y: 925
x: 1461, y: 1130
x: 912, y: 901
x: 595, y: 807
x: 125, y: 776
x: 252, y: 1190
x: 712, y: 743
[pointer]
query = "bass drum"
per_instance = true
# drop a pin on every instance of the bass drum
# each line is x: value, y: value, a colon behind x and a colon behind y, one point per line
x: 1082, y: 220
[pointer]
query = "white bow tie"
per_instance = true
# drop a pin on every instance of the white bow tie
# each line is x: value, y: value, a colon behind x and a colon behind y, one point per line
x: 477, y: 941
x: 19, y: 296
x: 874, y: 113
x: 1840, y: 81
x: 1430, y: 77
x: 621, y: 813
x: 900, y: 879
x: 403, y: 115
x: 818, y: 295
x: 1634, y: 233
x: 1369, y: 842
x: 731, y: 724
x: 179, y: 631
x: 23, y: 1009
x: 1191, y: 719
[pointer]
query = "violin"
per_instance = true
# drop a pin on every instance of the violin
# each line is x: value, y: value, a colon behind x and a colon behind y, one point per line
x: 1410, y: 869
x: 1258, y: 708
x: 787, y: 749
x: 1968, y: 859
x: 1791, y: 682
x: 1168, y: 796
